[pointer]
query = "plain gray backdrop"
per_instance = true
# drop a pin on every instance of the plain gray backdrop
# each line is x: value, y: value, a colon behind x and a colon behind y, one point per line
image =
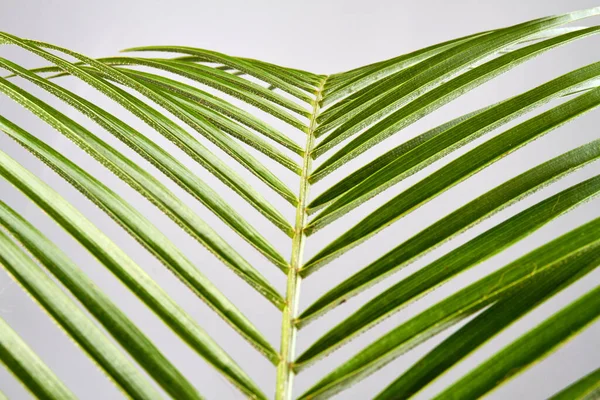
x: 324, y: 37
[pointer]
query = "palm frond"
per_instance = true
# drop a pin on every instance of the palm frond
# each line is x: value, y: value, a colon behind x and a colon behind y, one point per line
x: 28, y: 368
x: 427, y: 278
x: 80, y: 328
x: 586, y: 387
x: 559, y: 261
x: 452, y: 174
x: 96, y: 302
x: 530, y: 347
x: 250, y: 125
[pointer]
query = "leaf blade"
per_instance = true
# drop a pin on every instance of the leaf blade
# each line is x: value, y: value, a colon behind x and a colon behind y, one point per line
x: 117, y: 324
x: 247, y: 91
x: 142, y: 230
x: 458, y: 260
x: 550, y: 260
x: 80, y: 328
x: 461, y: 168
x: 439, y: 96
x: 585, y: 388
x: 147, y: 185
x: 237, y: 63
x: 29, y: 369
x: 411, y: 156
x: 398, y: 89
x: 477, y: 332
x: 535, y: 344
x: 165, y: 162
x: 124, y: 268
x: 157, y: 121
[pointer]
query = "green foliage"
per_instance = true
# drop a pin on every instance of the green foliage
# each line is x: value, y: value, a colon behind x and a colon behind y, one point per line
x: 336, y: 118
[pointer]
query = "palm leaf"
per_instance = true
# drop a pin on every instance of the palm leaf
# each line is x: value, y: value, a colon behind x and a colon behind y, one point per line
x: 205, y: 99
x: 452, y: 174
x: 411, y: 156
x: 586, y: 387
x: 466, y: 256
x: 555, y: 261
x: 123, y: 267
x: 487, y: 324
x: 247, y: 123
x: 144, y: 232
x: 28, y: 368
x: 530, y: 347
x: 441, y: 95
x: 80, y: 328
x: 96, y: 302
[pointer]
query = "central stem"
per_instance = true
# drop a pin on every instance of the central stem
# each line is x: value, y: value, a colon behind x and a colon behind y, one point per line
x: 285, y: 373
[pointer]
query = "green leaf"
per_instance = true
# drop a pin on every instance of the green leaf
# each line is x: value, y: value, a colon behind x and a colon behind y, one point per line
x: 246, y: 66
x: 452, y: 174
x: 206, y: 99
x: 350, y: 83
x: 201, y: 97
x: 350, y: 86
x: 148, y: 186
x: 305, y: 80
x: 585, y: 388
x: 554, y: 260
x: 235, y: 130
x: 247, y: 91
x: 167, y: 127
x: 441, y: 270
x: 116, y: 323
x: 125, y: 269
x: 415, y: 154
x: 404, y: 86
x: 160, y: 158
x: 204, y: 95
x: 396, y: 90
x: 369, y: 174
x: 81, y: 329
x: 228, y: 83
x: 144, y: 232
x: 218, y: 120
x: 529, y: 348
x: 481, y: 329
x: 198, y: 123
x: 28, y: 368
x: 434, y: 99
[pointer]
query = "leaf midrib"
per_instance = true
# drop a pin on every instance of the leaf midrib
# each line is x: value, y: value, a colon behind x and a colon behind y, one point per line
x: 285, y: 371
